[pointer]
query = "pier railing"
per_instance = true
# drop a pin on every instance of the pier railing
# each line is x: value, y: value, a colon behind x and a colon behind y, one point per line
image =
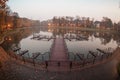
x: 70, y: 64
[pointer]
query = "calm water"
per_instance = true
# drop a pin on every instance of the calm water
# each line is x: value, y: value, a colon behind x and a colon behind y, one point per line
x: 102, y: 40
x: 36, y: 45
x: 83, y: 47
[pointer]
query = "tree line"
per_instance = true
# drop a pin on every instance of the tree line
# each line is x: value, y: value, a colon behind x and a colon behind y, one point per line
x: 85, y: 22
x: 12, y: 20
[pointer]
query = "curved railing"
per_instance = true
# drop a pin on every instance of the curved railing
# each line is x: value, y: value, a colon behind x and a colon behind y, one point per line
x: 83, y: 62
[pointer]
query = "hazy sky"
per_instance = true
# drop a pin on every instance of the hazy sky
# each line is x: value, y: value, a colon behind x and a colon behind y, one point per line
x: 46, y: 9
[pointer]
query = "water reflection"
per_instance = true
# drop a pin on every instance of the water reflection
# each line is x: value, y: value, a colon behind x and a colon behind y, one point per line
x: 95, y: 40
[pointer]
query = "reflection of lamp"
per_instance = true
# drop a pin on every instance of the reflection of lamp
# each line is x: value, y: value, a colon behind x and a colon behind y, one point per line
x: 49, y: 24
x: 49, y: 30
x: 9, y: 25
x: 9, y: 39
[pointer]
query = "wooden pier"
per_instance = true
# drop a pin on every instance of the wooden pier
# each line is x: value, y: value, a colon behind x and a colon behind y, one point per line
x: 59, y: 52
x: 41, y: 37
x: 79, y: 38
x: 59, y: 56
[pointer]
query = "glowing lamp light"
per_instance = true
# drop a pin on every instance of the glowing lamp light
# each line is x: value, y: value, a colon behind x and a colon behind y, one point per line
x: 49, y: 30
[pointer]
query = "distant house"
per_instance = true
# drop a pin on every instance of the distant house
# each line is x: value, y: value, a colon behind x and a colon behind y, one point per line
x: 97, y: 24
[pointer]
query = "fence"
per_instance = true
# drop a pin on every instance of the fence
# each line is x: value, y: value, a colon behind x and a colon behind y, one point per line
x: 70, y: 64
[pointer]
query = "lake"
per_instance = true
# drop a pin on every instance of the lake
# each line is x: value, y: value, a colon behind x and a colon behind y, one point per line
x: 78, y: 42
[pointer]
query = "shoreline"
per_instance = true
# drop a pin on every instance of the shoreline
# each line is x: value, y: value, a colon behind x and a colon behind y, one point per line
x: 41, y: 66
x: 83, y: 29
x: 10, y: 32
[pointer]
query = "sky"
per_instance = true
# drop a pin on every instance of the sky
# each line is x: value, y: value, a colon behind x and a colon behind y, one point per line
x: 46, y: 9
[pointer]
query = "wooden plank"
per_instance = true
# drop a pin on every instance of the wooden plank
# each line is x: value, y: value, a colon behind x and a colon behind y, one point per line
x: 59, y: 52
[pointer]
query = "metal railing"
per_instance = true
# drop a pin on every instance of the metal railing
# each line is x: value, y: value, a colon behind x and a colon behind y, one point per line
x: 70, y: 64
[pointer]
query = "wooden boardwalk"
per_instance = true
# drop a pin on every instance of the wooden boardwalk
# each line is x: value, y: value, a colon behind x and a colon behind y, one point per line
x: 59, y: 56
x: 59, y: 52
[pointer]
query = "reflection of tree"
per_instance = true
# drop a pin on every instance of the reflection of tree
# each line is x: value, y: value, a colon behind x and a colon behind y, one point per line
x: 16, y: 38
x: 59, y: 32
x: 116, y: 37
x: 104, y: 37
x: 36, y: 29
x: 118, y: 42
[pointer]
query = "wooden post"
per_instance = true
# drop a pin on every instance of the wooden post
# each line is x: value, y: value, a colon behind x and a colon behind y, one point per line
x: 92, y: 53
x: 46, y: 63
x: 23, y: 59
x: 94, y: 60
x: 28, y: 55
x: 70, y: 65
x: 33, y: 62
x: 42, y: 57
x: 58, y: 64
x: 83, y: 62
x: 16, y: 56
x: 101, y: 57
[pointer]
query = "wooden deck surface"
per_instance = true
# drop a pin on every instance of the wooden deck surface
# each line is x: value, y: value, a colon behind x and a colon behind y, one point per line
x: 59, y: 50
